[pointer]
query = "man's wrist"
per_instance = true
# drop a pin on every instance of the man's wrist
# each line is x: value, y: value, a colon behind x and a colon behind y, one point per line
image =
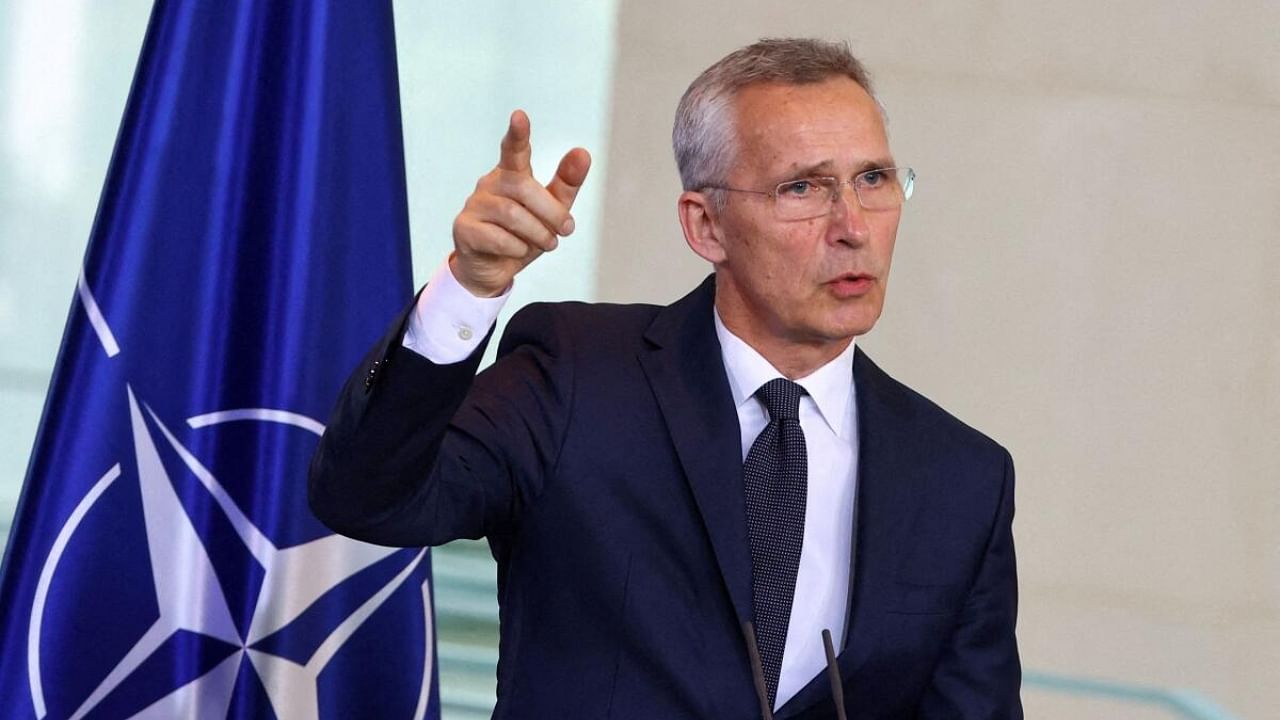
x: 449, y: 322
x: 476, y: 289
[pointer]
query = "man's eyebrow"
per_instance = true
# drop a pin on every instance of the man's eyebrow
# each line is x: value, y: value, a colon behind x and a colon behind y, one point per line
x: 880, y: 164
x: 827, y: 168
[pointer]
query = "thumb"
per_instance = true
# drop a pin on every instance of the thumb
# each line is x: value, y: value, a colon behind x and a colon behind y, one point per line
x: 570, y: 176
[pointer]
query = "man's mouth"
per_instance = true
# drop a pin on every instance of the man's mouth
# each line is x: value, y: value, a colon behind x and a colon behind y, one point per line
x: 852, y: 284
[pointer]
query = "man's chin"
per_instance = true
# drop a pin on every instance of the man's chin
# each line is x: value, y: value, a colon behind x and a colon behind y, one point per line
x: 853, y: 324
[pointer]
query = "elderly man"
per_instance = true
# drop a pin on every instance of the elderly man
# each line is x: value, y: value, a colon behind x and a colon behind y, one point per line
x: 682, y: 499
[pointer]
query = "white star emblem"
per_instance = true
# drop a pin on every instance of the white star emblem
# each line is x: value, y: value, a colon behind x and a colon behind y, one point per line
x: 191, y: 598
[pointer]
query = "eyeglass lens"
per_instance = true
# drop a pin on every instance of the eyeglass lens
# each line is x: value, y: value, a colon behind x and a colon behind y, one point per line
x: 880, y: 189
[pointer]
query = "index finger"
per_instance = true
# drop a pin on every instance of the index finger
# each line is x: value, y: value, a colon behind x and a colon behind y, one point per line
x: 515, y: 144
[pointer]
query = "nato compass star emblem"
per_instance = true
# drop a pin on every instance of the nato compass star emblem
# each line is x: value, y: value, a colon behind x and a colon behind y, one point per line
x: 239, y: 632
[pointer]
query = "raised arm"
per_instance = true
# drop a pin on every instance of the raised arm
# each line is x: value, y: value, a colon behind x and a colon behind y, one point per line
x: 399, y: 462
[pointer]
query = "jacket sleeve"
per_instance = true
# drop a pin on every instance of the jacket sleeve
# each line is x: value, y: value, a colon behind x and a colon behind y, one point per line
x: 979, y: 674
x: 417, y: 453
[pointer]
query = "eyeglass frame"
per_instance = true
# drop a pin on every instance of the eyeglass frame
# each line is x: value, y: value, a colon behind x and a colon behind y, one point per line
x: 835, y: 188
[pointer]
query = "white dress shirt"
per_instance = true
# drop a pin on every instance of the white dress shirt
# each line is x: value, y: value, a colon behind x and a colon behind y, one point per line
x: 828, y: 417
x: 448, y: 323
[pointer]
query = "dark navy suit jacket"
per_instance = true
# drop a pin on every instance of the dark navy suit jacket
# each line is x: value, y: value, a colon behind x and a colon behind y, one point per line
x: 600, y: 455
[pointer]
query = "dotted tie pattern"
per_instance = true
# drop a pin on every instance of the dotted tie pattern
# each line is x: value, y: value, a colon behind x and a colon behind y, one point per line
x: 776, y: 474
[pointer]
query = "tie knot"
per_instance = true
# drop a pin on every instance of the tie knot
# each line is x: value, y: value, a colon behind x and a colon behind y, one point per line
x: 781, y: 398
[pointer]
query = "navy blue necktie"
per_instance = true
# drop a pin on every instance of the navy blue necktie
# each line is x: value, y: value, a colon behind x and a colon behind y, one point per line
x: 776, y: 474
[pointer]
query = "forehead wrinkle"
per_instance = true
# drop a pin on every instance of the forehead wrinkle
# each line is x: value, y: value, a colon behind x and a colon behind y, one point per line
x: 784, y: 131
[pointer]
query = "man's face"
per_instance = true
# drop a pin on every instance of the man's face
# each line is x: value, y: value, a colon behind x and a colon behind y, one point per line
x: 816, y: 282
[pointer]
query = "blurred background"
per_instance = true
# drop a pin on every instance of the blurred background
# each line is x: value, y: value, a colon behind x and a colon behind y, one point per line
x: 1089, y: 272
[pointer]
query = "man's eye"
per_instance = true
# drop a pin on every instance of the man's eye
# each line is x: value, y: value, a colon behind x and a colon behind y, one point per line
x: 798, y: 188
x: 873, y: 178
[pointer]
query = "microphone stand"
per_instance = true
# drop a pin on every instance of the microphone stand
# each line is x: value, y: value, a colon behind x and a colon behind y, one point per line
x: 757, y: 670
x: 757, y: 673
x: 833, y: 676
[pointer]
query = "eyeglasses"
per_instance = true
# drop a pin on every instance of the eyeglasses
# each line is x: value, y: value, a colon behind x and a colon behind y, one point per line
x: 811, y: 197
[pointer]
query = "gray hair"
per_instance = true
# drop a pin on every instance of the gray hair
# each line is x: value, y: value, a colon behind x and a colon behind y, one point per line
x: 704, y: 137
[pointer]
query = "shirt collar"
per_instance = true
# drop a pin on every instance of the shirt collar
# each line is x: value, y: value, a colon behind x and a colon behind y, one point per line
x: 830, y: 386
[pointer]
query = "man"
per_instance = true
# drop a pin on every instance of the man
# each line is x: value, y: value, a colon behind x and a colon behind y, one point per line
x: 682, y: 499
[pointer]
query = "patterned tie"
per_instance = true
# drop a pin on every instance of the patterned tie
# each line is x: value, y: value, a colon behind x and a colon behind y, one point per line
x: 776, y: 474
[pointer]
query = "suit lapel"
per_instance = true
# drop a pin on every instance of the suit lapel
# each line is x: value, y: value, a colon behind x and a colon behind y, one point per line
x: 886, y: 462
x: 685, y: 369
x: 883, y: 514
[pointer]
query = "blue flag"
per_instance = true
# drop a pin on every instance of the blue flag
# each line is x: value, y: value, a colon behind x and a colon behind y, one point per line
x: 250, y: 244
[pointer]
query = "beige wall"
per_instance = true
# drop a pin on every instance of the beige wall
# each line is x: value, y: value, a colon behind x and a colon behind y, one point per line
x: 1089, y: 272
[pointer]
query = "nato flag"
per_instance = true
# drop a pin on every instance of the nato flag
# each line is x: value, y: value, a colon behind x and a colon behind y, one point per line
x: 251, y: 242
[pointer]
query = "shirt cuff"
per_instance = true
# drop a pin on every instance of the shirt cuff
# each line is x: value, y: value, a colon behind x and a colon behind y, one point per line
x: 448, y: 323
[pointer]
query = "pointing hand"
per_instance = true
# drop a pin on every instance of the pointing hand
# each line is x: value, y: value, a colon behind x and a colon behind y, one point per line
x: 511, y: 218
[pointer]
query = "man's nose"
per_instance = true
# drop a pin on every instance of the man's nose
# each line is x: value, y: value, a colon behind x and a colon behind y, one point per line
x: 848, y: 217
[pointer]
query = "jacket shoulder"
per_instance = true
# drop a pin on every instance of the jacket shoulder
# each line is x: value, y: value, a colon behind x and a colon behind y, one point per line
x: 601, y: 326
x: 923, y: 416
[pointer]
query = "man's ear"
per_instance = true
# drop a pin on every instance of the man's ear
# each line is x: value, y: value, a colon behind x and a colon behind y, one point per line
x: 700, y: 220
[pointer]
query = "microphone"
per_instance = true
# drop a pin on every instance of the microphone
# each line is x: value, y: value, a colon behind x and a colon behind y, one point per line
x: 757, y: 670
x: 833, y: 676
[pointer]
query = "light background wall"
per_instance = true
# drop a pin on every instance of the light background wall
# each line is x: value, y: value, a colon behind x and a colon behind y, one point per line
x: 1088, y: 271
